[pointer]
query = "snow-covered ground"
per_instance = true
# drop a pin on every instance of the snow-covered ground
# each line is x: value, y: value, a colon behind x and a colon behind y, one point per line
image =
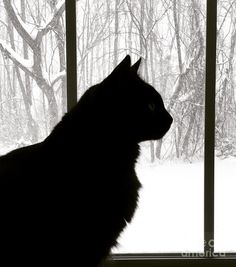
x: 170, y: 214
x: 225, y: 205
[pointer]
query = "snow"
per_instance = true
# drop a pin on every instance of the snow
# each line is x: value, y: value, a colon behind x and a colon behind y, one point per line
x: 171, y: 206
x: 186, y: 96
x: 60, y: 4
x: 170, y: 213
x: 27, y: 63
x: 46, y: 75
x: 225, y: 205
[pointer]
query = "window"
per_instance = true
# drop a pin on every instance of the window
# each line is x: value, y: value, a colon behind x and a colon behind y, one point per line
x: 225, y: 138
x: 32, y: 70
x: 177, y: 202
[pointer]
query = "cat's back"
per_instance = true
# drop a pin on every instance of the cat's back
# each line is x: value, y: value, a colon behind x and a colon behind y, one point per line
x: 19, y: 163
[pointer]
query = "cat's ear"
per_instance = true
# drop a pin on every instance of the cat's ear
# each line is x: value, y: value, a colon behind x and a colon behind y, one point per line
x: 124, y: 66
x: 136, y: 65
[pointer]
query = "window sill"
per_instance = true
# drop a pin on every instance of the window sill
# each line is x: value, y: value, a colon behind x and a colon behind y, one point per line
x: 153, y: 260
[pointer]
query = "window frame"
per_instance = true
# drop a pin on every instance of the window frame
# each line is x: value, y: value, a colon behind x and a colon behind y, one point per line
x: 169, y: 259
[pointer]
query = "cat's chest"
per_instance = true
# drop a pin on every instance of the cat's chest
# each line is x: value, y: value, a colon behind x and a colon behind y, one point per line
x: 125, y: 196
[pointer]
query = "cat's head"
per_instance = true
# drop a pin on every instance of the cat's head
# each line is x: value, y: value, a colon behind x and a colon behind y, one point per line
x: 131, y: 106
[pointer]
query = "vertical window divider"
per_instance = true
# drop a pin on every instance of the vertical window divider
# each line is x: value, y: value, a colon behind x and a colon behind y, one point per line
x: 209, y: 149
x: 71, y: 58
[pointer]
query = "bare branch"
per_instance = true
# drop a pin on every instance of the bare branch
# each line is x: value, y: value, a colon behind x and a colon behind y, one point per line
x: 20, y: 62
x: 18, y: 24
x: 58, y: 77
x: 51, y: 23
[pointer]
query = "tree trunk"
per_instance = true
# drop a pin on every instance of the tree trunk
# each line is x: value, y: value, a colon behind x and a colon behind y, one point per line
x: 116, y: 34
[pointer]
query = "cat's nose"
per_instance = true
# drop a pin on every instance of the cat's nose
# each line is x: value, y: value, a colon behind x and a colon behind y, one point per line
x: 169, y: 119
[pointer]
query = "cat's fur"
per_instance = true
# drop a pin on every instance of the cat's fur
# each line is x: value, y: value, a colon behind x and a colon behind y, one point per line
x: 67, y: 199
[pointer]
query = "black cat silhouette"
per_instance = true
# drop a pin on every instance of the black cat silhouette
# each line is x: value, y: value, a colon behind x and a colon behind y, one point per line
x: 67, y: 199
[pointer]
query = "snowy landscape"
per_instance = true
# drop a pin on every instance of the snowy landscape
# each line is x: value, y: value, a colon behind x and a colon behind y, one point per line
x: 170, y: 37
x: 170, y: 214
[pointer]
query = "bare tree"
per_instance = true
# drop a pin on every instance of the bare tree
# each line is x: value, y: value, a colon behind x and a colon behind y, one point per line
x: 34, y: 40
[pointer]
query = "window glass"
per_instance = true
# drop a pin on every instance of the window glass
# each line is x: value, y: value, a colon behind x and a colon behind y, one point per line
x: 225, y: 134
x: 32, y: 70
x: 170, y: 37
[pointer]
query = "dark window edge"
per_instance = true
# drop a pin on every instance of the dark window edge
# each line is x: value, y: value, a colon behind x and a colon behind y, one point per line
x: 151, y: 260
